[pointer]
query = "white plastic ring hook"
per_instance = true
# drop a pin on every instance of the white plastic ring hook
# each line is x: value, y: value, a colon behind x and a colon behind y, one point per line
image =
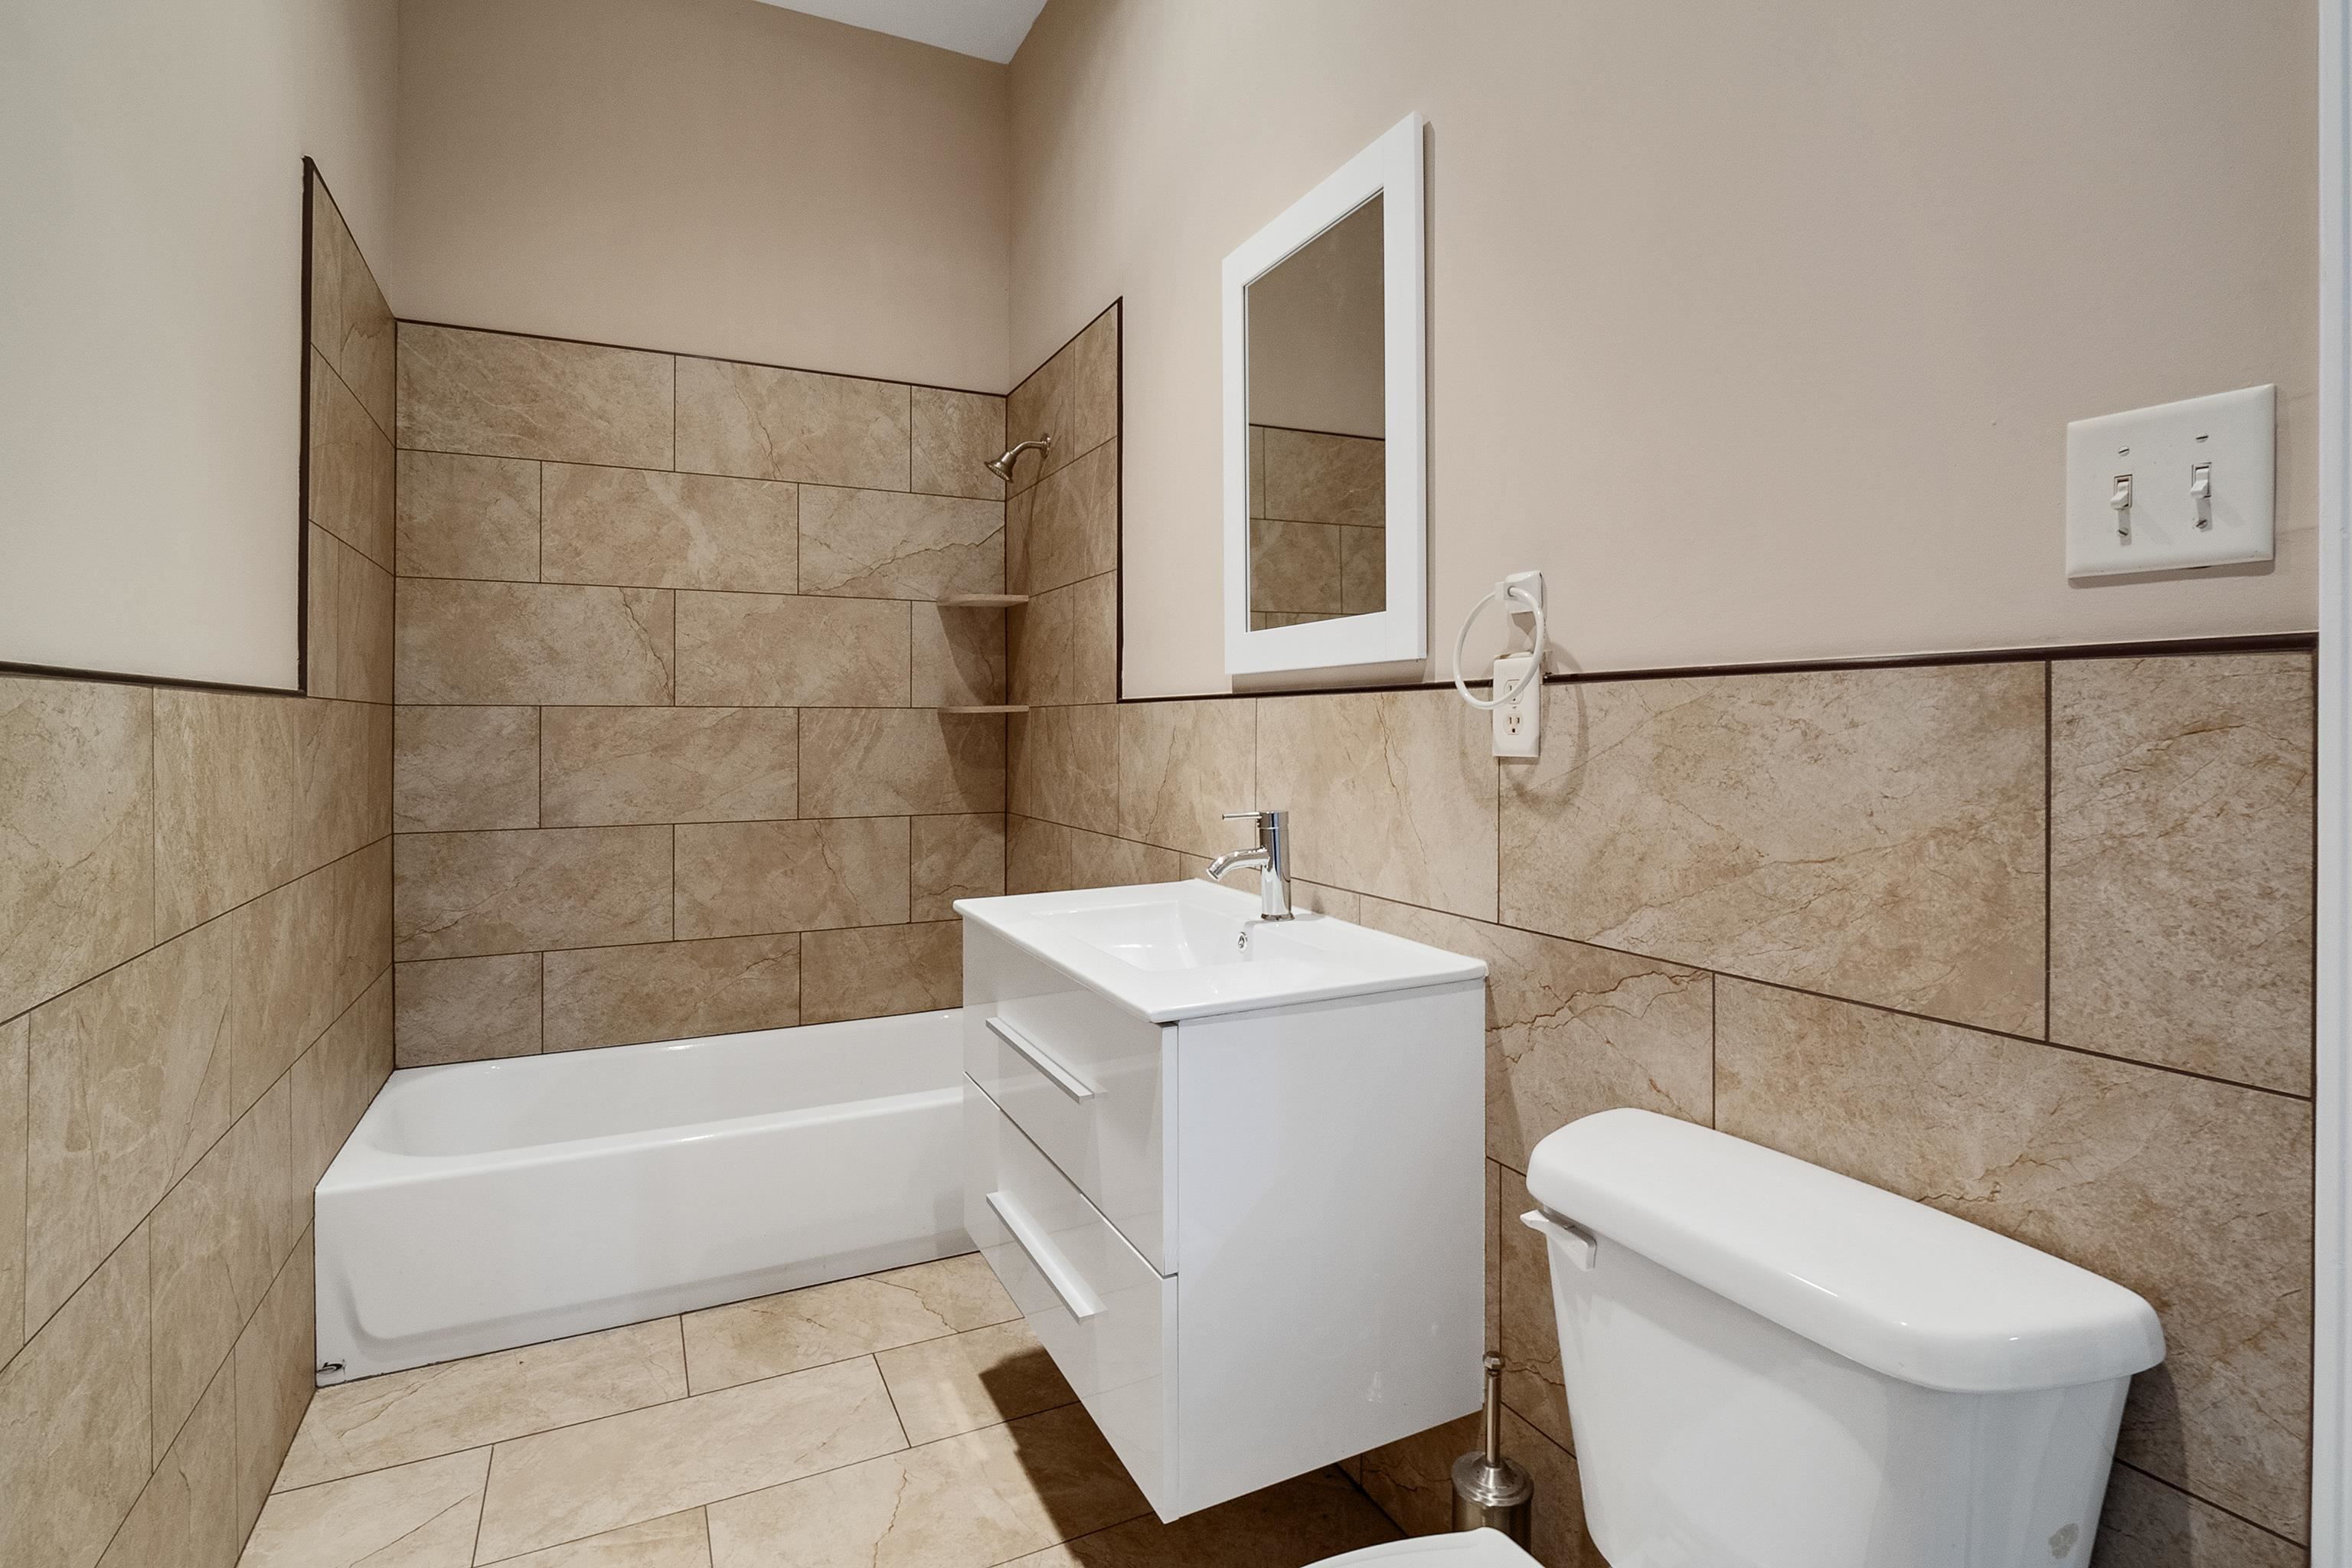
x: 1508, y: 589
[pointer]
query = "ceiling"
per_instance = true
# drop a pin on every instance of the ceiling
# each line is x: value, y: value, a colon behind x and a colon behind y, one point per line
x: 991, y: 29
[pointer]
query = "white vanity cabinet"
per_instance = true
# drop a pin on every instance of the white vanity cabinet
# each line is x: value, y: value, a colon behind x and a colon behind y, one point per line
x: 1230, y: 1172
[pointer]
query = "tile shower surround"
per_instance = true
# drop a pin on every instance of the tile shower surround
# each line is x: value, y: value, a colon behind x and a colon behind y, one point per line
x: 195, y: 1007
x: 669, y: 760
x: 2028, y: 939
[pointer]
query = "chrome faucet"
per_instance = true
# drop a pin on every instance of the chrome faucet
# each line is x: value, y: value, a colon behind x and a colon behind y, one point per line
x: 1270, y: 854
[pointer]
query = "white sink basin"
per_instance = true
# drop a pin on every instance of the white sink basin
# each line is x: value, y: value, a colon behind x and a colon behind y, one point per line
x: 1186, y: 949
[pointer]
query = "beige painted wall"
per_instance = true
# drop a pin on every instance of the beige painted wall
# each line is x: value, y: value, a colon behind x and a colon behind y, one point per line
x: 150, y: 328
x: 1757, y: 329
x: 714, y: 177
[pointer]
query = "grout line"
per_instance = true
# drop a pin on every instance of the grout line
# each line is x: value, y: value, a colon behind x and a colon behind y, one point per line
x: 489, y: 1463
x: 2049, y: 837
x: 2209, y: 1502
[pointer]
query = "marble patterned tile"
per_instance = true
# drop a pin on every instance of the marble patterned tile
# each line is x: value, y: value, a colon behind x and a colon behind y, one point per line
x: 981, y: 1377
x: 671, y: 991
x: 75, y: 1448
x: 956, y: 858
x: 673, y: 1541
x: 1045, y: 856
x: 876, y: 972
x: 1532, y: 1382
x: 1071, y: 527
x: 304, y: 953
x: 577, y: 1481
x: 638, y: 528
x: 2147, y: 1524
x: 420, y: 1515
x: 1294, y: 568
x: 216, y: 1240
x: 350, y: 322
x: 461, y: 894
x: 223, y: 793
x: 761, y: 423
x: 533, y: 643
x: 15, y: 1091
x: 770, y: 1335
x: 187, y: 1516
x: 1410, y: 1478
x: 130, y: 1085
x: 777, y: 651
x: 350, y: 469
x: 1180, y: 766
x: 1571, y: 1029
x: 335, y: 1080
x: 465, y: 1009
x: 745, y: 879
x: 958, y: 655
x: 2181, y: 919
x: 1257, y: 470
x: 1390, y: 793
x: 275, y: 1371
x: 1315, y: 476
x: 460, y: 768
x: 883, y: 544
x: 964, y: 1503
x: 1363, y: 571
x: 468, y: 516
x: 2195, y: 1194
x: 876, y: 762
x: 77, y: 833
x: 1041, y: 406
x: 341, y: 787
x: 377, y: 1422
x: 1063, y: 646
x: 351, y: 622
x: 1063, y: 765
x: 1875, y: 834
x: 1556, y: 1523
x: 1295, y: 1524
x: 601, y: 767
x: 1094, y: 386
x: 499, y: 395
x: 956, y: 435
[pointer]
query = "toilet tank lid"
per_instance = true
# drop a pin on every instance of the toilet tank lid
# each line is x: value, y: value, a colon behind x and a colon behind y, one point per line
x: 1903, y: 1289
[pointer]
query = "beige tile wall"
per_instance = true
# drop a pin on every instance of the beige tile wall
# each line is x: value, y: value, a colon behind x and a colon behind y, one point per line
x: 1319, y: 515
x: 195, y: 942
x: 2029, y: 939
x: 669, y: 756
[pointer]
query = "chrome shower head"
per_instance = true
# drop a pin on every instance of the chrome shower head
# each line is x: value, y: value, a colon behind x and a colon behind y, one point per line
x: 1003, y: 466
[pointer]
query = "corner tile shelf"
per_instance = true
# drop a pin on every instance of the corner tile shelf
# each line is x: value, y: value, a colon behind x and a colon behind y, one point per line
x: 981, y: 601
x: 987, y: 708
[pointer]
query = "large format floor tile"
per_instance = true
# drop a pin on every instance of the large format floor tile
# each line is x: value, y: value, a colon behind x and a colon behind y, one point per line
x: 775, y: 1334
x: 579, y: 1481
x: 417, y: 1516
x: 403, y: 1416
x: 674, y: 1541
x: 965, y: 1502
x: 972, y: 1380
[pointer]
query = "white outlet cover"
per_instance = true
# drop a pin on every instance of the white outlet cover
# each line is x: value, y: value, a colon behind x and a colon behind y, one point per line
x: 2160, y: 448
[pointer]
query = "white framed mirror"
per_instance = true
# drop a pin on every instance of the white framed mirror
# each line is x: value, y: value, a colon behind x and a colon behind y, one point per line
x: 1325, y: 430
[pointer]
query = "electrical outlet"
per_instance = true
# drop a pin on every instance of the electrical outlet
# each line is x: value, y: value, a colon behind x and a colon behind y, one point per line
x: 1519, y: 723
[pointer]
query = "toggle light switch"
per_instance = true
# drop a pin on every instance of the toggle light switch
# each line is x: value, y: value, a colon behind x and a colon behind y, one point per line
x: 2181, y: 484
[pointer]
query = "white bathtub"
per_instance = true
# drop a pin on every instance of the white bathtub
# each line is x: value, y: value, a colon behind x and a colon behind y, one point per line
x: 487, y: 1204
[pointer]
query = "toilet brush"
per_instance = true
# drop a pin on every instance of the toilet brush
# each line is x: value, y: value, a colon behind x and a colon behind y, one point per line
x: 1490, y: 1491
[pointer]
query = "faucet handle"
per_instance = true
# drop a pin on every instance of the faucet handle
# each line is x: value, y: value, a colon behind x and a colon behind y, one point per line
x: 1240, y: 816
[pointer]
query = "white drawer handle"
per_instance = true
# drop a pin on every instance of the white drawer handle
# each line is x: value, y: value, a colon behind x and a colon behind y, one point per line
x: 1582, y: 1247
x: 1082, y: 1302
x: 1032, y: 1053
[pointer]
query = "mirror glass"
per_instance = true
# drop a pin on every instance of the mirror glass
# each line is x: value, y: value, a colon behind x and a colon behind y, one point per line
x: 1318, y: 450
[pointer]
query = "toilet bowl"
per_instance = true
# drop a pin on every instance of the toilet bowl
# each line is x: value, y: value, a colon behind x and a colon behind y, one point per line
x: 1771, y: 1365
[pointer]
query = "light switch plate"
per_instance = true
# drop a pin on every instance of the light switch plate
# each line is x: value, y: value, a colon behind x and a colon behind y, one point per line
x: 2161, y: 450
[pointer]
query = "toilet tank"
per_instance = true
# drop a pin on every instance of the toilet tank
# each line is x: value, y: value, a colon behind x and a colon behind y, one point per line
x: 1771, y: 1365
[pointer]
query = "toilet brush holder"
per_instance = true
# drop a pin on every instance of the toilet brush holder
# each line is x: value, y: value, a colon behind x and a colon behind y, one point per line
x: 1491, y: 1493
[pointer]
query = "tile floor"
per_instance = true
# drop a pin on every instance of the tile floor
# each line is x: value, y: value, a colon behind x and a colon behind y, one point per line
x: 902, y: 1420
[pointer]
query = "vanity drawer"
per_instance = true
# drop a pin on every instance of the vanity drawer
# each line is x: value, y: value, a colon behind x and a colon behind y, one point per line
x: 1102, y: 1312
x: 1079, y: 1076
